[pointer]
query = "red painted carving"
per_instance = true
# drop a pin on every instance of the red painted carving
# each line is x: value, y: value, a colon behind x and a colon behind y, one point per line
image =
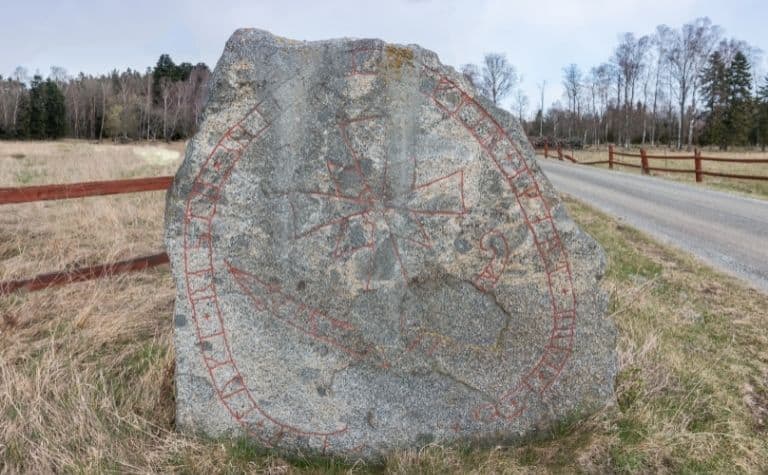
x: 363, y: 61
x: 373, y: 205
x: 227, y: 381
x: 495, y: 243
x: 386, y: 219
x: 304, y: 319
x: 508, y: 159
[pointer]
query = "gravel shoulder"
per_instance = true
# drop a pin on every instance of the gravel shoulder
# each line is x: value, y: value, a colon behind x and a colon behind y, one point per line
x: 727, y: 231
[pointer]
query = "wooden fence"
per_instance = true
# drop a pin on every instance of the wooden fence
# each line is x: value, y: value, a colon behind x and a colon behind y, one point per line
x: 559, y: 154
x: 645, y: 163
x: 81, y: 190
x: 100, y: 188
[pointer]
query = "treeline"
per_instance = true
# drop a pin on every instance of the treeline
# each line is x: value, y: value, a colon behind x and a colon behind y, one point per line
x: 164, y: 102
x: 676, y: 86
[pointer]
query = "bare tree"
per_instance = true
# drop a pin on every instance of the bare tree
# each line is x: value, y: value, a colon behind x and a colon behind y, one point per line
x: 556, y: 115
x: 471, y: 73
x: 72, y: 93
x: 542, y: 86
x: 125, y: 95
x: 647, y: 79
x: 686, y: 59
x: 520, y: 101
x: 10, y: 93
x: 200, y: 78
x: 106, y: 89
x: 729, y: 47
x: 21, y: 76
x: 598, y: 83
x: 166, y: 89
x: 572, y: 85
x: 148, y: 101
x: 58, y: 75
x: 629, y: 57
x: 179, y: 92
x: 660, y: 41
x: 498, y: 77
x: 603, y: 78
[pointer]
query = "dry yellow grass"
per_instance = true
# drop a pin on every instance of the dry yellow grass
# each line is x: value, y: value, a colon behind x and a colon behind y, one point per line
x: 65, y: 349
x: 754, y: 188
x: 86, y: 370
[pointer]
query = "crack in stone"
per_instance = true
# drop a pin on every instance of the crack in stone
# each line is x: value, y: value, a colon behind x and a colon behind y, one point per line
x: 505, y: 328
x: 483, y: 395
x: 334, y: 372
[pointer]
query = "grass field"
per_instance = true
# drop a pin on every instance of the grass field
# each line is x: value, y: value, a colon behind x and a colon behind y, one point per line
x: 753, y: 188
x: 86, y: 370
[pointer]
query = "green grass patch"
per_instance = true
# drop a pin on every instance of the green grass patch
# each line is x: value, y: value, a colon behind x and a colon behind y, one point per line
x: 28, y: 176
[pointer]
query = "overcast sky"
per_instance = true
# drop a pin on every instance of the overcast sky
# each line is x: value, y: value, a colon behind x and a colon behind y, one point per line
x: 539, y: 37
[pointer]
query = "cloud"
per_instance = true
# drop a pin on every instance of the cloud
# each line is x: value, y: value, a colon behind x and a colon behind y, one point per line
x: 539, y: 36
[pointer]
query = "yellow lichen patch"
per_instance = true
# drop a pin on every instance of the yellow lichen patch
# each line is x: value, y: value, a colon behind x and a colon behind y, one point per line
x: 288, y: 41
x: 398, y: 56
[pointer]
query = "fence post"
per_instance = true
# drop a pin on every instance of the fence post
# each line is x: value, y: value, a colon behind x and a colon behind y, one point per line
x: 610, y: 156
x: 560, y: 152
x: 546, y: 150
x: 697, y: 164
x: 644, y: 161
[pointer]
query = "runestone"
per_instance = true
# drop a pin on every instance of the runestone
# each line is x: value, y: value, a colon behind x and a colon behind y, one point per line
x: 367, y: 258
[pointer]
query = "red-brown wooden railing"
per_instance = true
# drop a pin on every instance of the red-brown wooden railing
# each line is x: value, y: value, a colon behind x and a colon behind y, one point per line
x: 646, y: 167
x: 28, y: 194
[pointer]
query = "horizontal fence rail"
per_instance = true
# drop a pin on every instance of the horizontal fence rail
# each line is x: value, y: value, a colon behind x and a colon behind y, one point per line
x: 81, y: 190
x: 645, y: 164
x: 560, y: 155
x: 44, y: 281
x: 28, y: 194
x: 100, y: 188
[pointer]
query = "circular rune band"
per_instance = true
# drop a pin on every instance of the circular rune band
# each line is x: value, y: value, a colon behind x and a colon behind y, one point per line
x: 364, y: 214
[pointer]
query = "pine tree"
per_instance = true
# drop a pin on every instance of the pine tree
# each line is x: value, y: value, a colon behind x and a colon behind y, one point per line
x: 165, y: 68
x: 37, y: 110
x: 716, y: 97
x: 762, y: 121
x: 55, y: 111
x: 183, y: 71
x: 47, y: 117
x: 740, y: 108
x: 23, y: 117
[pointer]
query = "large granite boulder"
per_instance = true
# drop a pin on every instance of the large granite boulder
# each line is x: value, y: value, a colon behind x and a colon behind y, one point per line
x: 367, y: 257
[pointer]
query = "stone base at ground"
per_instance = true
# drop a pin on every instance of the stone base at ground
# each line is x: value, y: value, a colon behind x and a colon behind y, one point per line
x: 367, y: 257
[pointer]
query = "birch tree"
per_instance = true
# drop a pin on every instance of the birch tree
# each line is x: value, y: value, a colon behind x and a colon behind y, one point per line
x: 630, y: 60
x: 687, y: 56
x: 572, y: 84
x: 498, y: 78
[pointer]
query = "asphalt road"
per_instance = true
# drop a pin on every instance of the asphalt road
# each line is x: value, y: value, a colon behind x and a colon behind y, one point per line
x: 727, y: 231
